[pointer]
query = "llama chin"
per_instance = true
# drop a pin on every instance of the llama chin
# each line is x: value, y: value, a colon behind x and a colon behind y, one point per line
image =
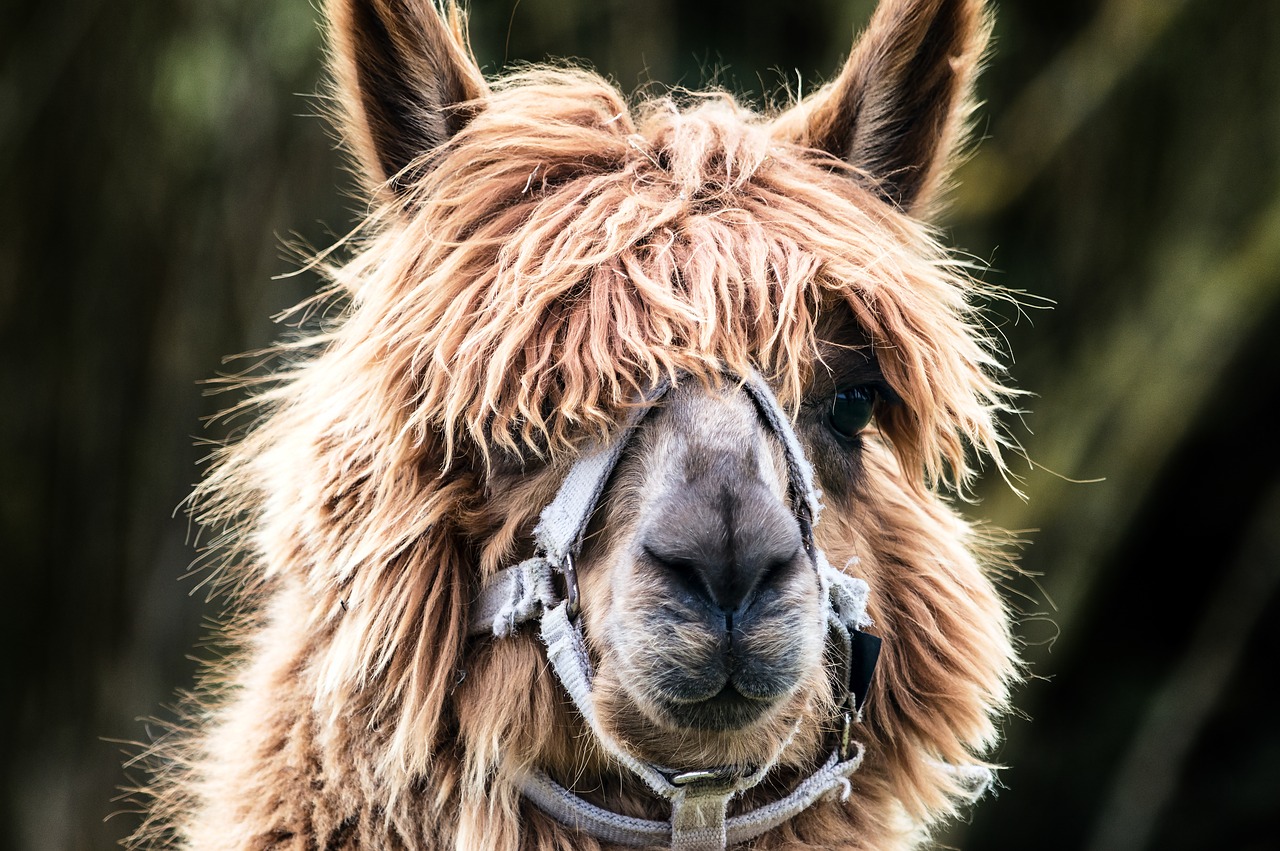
x: 610, y: 511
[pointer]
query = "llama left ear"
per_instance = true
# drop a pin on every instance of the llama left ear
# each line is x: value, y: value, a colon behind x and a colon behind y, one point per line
x: 899, y: 108
x: 406, y: 82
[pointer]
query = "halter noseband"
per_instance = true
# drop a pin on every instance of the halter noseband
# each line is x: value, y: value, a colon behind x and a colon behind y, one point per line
x: 699, y: 799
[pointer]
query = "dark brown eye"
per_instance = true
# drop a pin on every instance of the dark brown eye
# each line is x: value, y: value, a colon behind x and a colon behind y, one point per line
x: 851, y: 410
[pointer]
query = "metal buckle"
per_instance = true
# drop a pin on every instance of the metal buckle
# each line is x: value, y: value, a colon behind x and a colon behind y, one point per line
x: 846, y: 732
x: 706, y: 775
x: 571, y: 587
x: 709, y: 780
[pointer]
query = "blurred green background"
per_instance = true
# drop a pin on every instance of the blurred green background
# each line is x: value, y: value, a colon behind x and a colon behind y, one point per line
x: 158, y: 158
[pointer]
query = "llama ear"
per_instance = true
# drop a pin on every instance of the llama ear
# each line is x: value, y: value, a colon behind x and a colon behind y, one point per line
x: 900, y: 106
x: 406, y: 83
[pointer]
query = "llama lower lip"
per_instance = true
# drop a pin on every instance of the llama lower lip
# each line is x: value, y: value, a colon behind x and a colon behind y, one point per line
x: 728, y: 709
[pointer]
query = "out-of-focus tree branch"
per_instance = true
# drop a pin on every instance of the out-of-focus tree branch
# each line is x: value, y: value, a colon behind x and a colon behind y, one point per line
x: 1129, y: 398
x: 1059, y: 102
x: 34, y: 63
x: 1149, y: 773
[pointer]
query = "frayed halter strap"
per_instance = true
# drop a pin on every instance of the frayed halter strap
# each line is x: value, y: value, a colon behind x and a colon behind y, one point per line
x: 699, y: 799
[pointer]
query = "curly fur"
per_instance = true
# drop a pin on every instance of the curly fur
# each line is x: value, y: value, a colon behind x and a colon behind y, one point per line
x: 541, y: 255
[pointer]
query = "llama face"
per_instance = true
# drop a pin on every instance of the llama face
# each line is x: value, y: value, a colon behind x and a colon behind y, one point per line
x: 699, y: 597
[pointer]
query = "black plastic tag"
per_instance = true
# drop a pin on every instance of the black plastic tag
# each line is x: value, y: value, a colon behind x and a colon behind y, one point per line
x: 862, y: 665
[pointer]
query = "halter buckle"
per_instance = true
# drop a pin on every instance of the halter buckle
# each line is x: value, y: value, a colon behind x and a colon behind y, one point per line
x: 717, y: 776
x: 571, y: 587
x: 846, y: 732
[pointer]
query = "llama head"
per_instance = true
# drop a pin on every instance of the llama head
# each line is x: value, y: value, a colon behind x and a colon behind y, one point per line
x: 541, y: 255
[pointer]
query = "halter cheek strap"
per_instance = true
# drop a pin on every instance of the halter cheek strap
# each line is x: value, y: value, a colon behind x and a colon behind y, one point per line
x: 699, y: 799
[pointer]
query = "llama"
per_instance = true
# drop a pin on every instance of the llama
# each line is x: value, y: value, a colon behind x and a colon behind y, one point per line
x: 612, y: 510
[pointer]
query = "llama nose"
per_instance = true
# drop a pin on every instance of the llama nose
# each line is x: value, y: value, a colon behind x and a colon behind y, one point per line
x: 723, y: 545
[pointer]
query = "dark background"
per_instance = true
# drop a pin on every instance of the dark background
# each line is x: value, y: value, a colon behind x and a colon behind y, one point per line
x: 158, y: 159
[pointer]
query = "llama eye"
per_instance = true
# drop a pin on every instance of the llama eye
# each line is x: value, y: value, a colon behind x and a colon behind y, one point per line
x: 851, y: 410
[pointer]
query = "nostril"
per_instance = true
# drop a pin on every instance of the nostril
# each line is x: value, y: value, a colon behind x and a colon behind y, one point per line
x: 682, y: 570
x: 775, y: 572
x: 767, y: 579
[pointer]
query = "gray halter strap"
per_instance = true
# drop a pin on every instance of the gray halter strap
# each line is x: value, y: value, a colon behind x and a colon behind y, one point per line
x: 699, y: 799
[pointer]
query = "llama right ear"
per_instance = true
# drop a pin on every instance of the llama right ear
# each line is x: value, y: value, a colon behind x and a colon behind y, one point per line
x: 406, y: 82
x: 900, y: 106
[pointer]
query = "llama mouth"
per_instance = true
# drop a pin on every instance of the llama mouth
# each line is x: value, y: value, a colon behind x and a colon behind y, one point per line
x: 727, y: 709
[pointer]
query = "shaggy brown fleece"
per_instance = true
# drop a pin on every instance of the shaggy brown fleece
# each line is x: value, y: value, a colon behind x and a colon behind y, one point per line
x: 540, y: 253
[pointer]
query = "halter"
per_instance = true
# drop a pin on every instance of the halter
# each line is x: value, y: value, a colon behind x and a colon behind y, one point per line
x: 699, y: 799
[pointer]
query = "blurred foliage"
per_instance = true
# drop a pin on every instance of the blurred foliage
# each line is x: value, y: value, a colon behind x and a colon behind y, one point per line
x: 160, y: 161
